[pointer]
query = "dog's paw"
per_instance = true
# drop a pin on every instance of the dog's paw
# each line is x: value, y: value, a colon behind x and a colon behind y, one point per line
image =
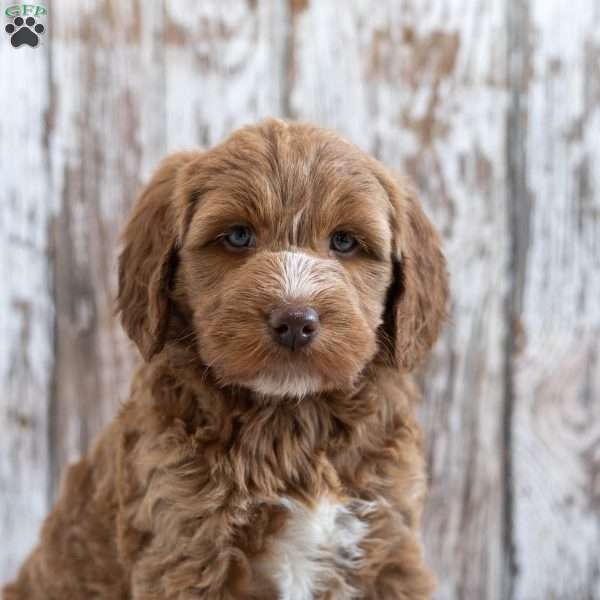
x: 24, y: 31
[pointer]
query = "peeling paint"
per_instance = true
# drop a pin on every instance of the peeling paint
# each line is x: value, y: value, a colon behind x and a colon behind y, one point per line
x: 298, y: 6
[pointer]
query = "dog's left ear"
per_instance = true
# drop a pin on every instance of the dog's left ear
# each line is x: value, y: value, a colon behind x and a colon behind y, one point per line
x: 149, y: 257
x: 418, y: 296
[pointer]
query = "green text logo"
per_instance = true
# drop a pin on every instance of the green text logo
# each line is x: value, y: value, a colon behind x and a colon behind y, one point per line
x: 24, y: 10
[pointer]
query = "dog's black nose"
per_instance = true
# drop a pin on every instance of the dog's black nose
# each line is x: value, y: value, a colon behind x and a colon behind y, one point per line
x: 294, y: 326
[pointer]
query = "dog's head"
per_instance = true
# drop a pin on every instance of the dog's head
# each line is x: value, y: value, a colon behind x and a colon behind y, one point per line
x: 290, y: 259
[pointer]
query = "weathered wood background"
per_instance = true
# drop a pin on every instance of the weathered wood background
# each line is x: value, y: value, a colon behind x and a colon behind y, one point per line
x: 493, y: 106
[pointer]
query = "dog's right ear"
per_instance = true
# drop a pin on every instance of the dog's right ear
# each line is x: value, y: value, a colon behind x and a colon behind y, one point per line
x: 148, y: 259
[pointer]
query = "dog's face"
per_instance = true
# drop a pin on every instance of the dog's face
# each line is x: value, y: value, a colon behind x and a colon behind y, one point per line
x: 292, y: 258
x: 286, y: 263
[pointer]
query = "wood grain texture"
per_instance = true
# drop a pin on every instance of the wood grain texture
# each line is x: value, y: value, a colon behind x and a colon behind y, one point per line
x: 224, y: 68
x: 106, y: 132
x: 26, y: 318
x: 556, y: 438
x: 422, y: 85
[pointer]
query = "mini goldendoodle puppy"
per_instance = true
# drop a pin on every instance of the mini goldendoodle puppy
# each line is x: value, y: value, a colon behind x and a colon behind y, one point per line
x: 281, y: 287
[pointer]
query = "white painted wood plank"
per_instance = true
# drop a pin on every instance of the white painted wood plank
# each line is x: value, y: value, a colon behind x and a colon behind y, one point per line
x: 225, y: 68
x: 556, y: 452
x: 107, y: 131
x: 422, y: 85
x: 26, y: 314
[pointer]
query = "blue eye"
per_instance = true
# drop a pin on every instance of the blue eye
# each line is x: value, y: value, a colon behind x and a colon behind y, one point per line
x: 240, y: 236
x: 343, y: 242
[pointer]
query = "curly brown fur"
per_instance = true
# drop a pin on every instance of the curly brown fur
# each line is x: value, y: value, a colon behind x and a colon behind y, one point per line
x: 240, y: 468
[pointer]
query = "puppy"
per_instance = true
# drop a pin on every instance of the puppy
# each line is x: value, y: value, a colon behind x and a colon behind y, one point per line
x: 280, y: 287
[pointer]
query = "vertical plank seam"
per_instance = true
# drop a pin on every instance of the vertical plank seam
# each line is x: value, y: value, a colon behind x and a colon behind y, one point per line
x: 518, y: 214
x: 288, y: 60
x: 164, y: 67
x: 52, y: 387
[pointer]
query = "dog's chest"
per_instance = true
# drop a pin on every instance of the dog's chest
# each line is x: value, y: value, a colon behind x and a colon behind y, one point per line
x: 316, y: 549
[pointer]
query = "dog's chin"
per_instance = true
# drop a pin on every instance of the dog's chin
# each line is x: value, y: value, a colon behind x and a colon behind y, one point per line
x: 290, y: 385
x: 297, y: 383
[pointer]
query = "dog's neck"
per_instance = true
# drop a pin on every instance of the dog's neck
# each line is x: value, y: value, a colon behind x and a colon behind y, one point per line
x: 267, y: 446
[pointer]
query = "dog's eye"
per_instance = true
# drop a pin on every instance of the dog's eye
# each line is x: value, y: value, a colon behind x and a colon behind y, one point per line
x: 240, y: 237
x: 343, y: 242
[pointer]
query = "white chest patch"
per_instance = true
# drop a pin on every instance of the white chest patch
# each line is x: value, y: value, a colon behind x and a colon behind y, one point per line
x: 316, y: 547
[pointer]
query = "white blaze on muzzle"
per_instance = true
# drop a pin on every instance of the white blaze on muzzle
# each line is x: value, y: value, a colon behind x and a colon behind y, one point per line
x: 302, y: 276
x: 299, y: 278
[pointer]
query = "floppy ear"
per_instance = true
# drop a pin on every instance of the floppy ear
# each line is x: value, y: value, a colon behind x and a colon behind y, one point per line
x: 149, y: 258
x: 418, y: 296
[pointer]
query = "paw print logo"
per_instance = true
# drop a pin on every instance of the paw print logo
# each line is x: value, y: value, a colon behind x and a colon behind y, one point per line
x: 24, y: 31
